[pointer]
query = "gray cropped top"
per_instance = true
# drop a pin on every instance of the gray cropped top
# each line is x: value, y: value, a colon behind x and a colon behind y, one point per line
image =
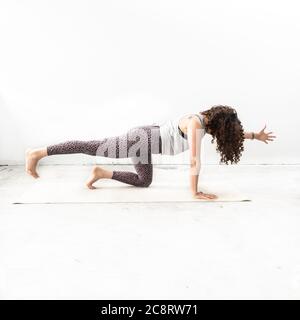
x: 173, y: 140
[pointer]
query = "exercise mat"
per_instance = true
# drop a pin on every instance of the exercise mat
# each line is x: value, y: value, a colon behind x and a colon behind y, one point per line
x: 66, y: 184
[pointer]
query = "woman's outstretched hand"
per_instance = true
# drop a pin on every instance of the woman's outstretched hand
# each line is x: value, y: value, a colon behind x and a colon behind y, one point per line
x: 205, y: 196
x: 265, y: 136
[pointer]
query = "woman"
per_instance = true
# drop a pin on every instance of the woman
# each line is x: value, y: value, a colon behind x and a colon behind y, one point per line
x: 170, y: 138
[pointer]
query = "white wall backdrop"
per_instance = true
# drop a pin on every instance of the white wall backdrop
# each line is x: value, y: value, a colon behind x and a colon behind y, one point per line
x: 86, y: 69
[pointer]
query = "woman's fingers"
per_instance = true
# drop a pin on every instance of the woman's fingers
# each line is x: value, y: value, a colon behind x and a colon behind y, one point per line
x: 205, y: 196
x: 202, y: 196
x: 269, y: 137
x: 263, y: 128
x: 210, y: 196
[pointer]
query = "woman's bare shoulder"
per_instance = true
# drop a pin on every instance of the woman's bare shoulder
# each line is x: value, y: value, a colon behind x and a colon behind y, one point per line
x: 187, y: 120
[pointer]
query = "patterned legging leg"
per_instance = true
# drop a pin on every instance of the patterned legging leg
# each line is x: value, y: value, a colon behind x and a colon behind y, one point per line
x: 138, y: 143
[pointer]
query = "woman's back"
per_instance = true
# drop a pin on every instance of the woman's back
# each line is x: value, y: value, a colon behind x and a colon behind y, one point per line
x: 174, y: 139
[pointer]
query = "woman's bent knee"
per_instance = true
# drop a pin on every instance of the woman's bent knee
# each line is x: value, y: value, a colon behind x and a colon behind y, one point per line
x: 145, y: 183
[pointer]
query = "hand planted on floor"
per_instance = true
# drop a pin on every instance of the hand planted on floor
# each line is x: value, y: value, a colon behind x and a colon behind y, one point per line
x: 205, y: 196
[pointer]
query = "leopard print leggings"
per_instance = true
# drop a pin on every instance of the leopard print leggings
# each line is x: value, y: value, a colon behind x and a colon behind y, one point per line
x: 139, y: 143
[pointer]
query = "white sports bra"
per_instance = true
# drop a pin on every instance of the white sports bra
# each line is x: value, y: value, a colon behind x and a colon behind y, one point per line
x: 173, y: 140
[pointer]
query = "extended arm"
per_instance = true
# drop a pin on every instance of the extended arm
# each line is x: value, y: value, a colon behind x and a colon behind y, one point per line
x: 261, y: 135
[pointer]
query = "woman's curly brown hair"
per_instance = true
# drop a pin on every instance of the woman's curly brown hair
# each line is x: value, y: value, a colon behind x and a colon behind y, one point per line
x: 226, y: 128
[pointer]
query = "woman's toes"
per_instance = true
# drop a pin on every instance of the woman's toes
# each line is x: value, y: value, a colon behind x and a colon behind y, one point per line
x: 90, y: 183
x: 97, y: 174
x: 90, y: 186
x: 31, y: 163
x: 32, y: 173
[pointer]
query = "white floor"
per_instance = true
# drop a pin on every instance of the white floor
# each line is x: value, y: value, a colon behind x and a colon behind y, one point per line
x: 155, y: 250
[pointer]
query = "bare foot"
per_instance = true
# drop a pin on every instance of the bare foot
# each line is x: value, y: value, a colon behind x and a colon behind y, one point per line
x: 97, y: 173
x: 32, y: 159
